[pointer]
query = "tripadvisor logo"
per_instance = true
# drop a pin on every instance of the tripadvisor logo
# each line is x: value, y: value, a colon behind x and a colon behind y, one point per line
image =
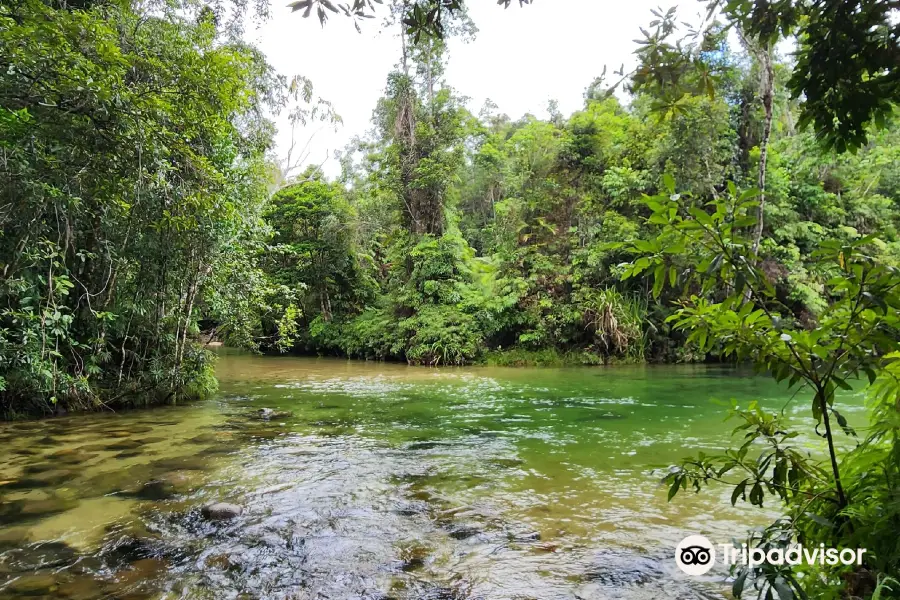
x: 696, y: 555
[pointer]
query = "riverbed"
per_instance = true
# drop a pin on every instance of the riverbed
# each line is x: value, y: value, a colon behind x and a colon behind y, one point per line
x: 374, y: 481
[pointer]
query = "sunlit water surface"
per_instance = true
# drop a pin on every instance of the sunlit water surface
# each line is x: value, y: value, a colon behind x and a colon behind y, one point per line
x: 377, y: 481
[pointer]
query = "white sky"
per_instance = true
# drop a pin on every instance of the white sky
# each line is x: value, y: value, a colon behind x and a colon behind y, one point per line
x: 520, y: 59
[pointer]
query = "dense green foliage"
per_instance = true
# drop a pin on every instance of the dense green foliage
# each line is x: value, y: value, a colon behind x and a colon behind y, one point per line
x: 731, y: 308
x: 845, y: 71
x: 132, y: 167
x: 479, y: 234
x: 449, y: 236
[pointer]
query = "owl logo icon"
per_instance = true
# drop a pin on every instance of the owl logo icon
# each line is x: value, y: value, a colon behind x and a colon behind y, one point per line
x: 695, y: 555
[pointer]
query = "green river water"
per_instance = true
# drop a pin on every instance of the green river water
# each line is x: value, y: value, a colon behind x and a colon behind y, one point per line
x: 379, y: 481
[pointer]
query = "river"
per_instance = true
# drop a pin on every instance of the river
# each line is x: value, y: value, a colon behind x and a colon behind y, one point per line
x: 379, y: 481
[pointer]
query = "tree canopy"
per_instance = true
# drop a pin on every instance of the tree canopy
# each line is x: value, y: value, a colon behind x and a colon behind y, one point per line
x: 845, y: 72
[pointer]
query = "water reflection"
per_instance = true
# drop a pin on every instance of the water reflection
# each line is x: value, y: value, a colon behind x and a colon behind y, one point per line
x: 373, y: 481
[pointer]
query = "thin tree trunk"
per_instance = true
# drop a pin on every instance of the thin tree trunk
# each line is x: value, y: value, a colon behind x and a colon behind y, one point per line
x: 767, y: 89
x: 832, y: 453
x: 403, y: 41
x: 767, y: 94
x: 430, y: 77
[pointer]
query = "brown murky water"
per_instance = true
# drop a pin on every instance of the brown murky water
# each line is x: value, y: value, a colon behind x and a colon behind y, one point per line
x: 375, y: 481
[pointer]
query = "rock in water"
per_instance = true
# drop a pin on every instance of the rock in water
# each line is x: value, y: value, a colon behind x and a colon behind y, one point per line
x: 221, y: 511
x: 34, y: 585
x: 267, y: 413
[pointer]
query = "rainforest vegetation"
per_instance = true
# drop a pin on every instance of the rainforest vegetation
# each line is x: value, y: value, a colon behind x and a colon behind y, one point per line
x: 143, y: 202
x: 726, y: 200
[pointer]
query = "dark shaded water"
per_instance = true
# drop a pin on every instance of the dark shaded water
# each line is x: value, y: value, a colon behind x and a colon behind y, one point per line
x: 377, y: 481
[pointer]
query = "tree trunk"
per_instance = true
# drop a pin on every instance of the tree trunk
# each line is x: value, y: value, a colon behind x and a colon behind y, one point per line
x: 767, y: 93
x: 822, y: 400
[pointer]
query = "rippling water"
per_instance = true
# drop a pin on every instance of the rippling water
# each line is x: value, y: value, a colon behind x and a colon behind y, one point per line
x: 375, y: 481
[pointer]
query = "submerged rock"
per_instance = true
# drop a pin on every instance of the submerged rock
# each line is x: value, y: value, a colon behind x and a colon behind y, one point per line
x: 129, y: 454
x: 40, y: 467
x: 134, y: 581
x: 411, y: 509
x: 623, y: 569
x: 163, y: 488
x: 530, y: 536
x: 414, y: 558
x: 221, y: 511
x: 507, y: 463
x: 546, y: 547
x: 464, y: 532
x: 28, y: 558
x: 206, y: 438
x: 72, y: 456
x: 424, y: 590
x: 215, y: 450
x: 155, y: 490
x: 12, y: 538
x: 80, y: 588
x: 423, y: 446
x: 39, y: 584
x: 166, y: 486
x: 219, y: 561
x: 266, y: 539
x: 20, y: 510
x: 181, y: 463
x: 262, y: 434
x: 42, y: 479
x: 151, y: 440
x: 129, y: 548
x: 124, y: 445
x: 268, y: 413
x: 126, y: 543
x: 119, y: 481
